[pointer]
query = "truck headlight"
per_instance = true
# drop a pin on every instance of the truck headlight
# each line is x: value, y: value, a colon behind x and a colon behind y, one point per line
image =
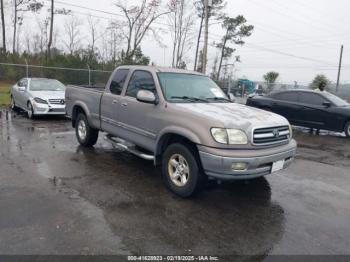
x: 40, y: 101
x: 237, y: 137
x: 229, y: 136
x: 219, y: 135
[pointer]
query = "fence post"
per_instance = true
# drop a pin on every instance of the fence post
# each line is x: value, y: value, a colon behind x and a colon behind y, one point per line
x: 27, y: 70
x: 89, y: 74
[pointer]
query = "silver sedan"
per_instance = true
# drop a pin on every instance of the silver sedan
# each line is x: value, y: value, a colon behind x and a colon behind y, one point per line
x: 39, y: 96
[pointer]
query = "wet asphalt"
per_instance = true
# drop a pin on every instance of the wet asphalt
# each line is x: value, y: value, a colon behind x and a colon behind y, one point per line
x: 59, y: 198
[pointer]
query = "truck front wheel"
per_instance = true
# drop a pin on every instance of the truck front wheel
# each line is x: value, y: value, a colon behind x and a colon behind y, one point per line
x: 181, y: 170
x: 86, y: 135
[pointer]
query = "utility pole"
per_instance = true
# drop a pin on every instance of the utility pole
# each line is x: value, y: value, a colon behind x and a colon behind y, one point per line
x: 207, y: 4
x: 339, y: 69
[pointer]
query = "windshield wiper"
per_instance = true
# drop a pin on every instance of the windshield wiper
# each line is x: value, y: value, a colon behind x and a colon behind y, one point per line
x: 219, y: 99
x: 189, y: 98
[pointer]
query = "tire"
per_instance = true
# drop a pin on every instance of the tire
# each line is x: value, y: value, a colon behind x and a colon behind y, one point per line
x: 178, y: 158
x: 86, y: 135
x: 13, y: 104
x: 347, y: 129
x: 30, y: 111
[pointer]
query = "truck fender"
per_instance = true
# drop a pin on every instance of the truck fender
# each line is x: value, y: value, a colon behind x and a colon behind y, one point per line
x: 83, y: 107
x: 174, y: 130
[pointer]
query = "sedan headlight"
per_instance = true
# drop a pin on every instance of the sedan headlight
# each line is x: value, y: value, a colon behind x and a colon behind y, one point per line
x: 229, y: 136
x: 40, y: 101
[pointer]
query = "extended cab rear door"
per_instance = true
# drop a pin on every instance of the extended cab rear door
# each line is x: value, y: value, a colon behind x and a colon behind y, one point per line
x: 137, y: 118
x: 110, y: 101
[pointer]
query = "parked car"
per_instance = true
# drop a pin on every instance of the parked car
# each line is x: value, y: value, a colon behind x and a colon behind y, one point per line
x: 184, y: 122
x: 39, y: 96
x: 313, y: 109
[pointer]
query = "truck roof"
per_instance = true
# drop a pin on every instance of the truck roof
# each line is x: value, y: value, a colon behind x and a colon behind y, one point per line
x: 158, y: 69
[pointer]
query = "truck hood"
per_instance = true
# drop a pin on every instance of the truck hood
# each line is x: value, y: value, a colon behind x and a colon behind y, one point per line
x: 233, y: 115
x: 48, y: 94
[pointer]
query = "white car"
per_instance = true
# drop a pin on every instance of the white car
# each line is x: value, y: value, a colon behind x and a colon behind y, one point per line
x: 39, y: 96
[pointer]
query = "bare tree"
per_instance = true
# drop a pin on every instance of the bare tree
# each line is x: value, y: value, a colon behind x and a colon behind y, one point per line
x: 40, y: 39
x: 21, y: 6
x: 181, y: 23
x: 214, y: 11
x: 71, y: 26
x: 139, y: 19
x: 3, y: 27
x: 93, y: 29
x: 52, y: 10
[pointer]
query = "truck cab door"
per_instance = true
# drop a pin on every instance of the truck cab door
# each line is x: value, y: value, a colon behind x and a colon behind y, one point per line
x: 136, y: 118
x: 110, y: 101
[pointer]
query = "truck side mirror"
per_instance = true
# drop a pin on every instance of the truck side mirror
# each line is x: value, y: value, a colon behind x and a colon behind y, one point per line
x: 146, y: 96
x: 231, y: 97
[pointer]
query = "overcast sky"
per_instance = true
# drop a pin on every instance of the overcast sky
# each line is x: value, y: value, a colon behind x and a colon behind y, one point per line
x: 297, y: 38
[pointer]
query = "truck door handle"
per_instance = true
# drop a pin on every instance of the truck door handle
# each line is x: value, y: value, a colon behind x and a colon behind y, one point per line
x: 114, y: 102
x: 124, y: 104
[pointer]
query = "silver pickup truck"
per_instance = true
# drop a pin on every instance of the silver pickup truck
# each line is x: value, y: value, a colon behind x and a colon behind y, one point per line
x: 184, y: 122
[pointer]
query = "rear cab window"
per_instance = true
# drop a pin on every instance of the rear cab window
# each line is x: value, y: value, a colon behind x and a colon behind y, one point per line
x: 118, y: 81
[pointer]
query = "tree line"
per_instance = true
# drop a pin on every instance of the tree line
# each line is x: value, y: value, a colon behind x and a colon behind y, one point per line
x: 88, y: 42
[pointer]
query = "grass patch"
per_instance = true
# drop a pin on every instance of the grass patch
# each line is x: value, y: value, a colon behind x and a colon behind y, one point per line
x: 5, y: 93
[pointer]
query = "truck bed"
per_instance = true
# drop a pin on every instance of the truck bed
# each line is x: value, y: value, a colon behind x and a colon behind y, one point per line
x: 85, y: 95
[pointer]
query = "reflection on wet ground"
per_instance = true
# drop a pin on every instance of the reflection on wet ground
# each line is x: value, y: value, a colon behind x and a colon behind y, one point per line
x: 299, y: 211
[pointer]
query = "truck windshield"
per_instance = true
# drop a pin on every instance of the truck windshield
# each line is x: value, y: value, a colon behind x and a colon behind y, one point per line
x: 188, y: 88
x: 46, y: 85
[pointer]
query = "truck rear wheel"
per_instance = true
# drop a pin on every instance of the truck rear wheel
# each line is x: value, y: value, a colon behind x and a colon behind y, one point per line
x: 181, y: 170
x: 86, y: 135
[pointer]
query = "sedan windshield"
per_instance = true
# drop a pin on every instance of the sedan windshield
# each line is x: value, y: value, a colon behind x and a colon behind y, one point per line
x: 335, y: 99
x: 46, y: 85
x: 188, y: 88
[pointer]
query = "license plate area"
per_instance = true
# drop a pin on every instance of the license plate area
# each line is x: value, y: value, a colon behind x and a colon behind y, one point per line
x: 277, y: 166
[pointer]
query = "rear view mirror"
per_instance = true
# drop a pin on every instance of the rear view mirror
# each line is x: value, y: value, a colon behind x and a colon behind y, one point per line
x: 231, y: 97
x: 326, y: 104
x: 146, y: 96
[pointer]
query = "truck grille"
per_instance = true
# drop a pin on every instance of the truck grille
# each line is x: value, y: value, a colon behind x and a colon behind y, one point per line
x: 57, y: 101
x: 271, y: 135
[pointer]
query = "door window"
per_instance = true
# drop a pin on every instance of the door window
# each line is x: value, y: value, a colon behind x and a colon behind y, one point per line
x: 140, y: 80
x: 118, y: 81
x: 311, y: 99
x: 287, y: 96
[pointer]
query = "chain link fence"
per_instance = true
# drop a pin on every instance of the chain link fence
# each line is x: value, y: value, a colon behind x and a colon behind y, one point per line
x: 73, y: 76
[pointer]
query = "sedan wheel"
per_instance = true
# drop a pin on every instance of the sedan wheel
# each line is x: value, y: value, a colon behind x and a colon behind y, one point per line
x: 30, y: 111
x: 13, y: 104
x: 347, y: 129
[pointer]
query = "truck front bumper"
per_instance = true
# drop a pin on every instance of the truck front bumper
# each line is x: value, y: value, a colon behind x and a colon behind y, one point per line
x: 221, y: 163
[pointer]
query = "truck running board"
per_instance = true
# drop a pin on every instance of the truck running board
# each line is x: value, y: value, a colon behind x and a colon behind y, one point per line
x: 128, y: 147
